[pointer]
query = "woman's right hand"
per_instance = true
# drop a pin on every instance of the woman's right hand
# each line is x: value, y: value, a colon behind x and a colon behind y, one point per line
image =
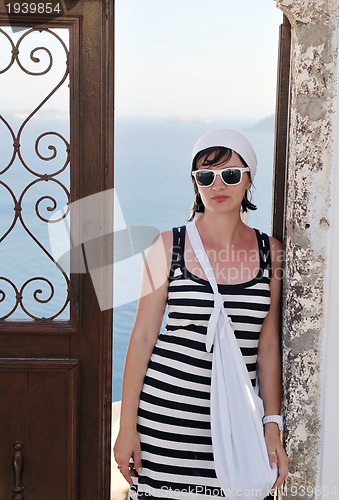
x: 127, y: 446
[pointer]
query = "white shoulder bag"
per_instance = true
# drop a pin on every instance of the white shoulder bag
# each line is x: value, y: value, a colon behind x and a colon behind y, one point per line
x: 240, y: 455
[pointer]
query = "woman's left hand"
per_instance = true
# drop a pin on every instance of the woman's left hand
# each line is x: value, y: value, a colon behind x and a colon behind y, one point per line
x: 276, y: 453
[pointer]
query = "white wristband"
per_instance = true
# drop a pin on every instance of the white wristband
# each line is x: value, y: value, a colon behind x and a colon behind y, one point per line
x: 274, y: 418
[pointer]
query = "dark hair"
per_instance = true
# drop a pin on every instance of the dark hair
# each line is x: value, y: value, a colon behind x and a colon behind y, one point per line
x: 221, y: 154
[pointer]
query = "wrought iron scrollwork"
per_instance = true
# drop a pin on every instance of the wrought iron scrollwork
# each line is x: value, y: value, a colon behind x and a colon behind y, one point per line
x: 13, y: 295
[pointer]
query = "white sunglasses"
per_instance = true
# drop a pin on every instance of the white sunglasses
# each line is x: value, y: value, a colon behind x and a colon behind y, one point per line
x: 230, y: 176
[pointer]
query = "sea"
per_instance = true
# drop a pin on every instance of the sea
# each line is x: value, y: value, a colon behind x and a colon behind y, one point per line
x: 152, y: 187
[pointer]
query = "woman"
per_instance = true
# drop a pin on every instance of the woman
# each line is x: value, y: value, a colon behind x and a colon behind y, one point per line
x: 164, y: 448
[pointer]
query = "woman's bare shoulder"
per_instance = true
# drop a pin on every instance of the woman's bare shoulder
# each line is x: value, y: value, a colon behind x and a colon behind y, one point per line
x: 275, y: 244
x: 160, y: 250
x: 167, y: 237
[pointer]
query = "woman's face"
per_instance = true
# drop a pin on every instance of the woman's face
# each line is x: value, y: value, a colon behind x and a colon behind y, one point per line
x: 220, y: 197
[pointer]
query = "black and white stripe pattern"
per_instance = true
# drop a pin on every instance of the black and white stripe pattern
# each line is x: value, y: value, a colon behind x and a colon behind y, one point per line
x: 174, y: 409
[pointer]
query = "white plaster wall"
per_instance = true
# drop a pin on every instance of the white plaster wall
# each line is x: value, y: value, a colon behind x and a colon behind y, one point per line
x: 328, y: 474
x: 311, y: 305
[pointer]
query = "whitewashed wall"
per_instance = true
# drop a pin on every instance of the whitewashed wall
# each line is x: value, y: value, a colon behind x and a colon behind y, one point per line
x: 311, y: 295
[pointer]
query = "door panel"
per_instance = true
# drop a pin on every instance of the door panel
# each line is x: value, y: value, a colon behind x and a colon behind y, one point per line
x: 55, y: 369
x: 39, y: 406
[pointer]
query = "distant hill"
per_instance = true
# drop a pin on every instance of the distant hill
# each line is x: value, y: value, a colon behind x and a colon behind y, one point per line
x: 42, y: 114
x: 264, y: 125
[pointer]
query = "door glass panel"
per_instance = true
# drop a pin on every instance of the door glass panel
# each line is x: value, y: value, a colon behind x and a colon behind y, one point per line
x: 34, y: 171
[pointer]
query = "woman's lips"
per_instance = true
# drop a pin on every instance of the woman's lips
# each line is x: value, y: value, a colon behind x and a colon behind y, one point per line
x: 220, y: 198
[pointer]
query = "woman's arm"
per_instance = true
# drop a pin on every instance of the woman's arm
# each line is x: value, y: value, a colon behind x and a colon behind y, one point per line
x: 269, y: 366
x: 149, y: 315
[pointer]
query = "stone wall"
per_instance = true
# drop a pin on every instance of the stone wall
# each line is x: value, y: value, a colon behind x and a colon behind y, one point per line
x: 310, y: 163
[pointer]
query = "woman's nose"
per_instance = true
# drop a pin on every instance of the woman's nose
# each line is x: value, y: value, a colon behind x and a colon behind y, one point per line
x: 218, y: 183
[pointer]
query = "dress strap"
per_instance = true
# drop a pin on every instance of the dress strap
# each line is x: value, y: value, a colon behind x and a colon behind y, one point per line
x: 178, y: 251
x: 265, y: 252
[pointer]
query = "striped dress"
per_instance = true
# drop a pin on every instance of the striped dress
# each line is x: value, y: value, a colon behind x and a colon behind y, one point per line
x: 174, y: 409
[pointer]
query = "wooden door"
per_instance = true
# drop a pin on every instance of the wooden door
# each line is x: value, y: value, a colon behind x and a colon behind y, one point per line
x: 55, y: 332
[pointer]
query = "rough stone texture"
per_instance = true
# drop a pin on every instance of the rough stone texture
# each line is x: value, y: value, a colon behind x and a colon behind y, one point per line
x: 310, y: 162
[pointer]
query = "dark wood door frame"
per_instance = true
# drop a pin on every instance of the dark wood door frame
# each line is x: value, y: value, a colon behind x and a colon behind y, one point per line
x: 281, y: 130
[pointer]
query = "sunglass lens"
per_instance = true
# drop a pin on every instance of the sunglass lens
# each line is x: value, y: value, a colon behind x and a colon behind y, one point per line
x: 205, y: 178
x: 231, y: 175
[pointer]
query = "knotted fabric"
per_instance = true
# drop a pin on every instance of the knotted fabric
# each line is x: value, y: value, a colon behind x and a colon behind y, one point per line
x: 240, y: 455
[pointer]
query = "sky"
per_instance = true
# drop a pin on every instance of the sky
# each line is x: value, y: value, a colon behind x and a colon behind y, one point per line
x: 20, y: 92
x: 196, y: 58
x: 183, y: 58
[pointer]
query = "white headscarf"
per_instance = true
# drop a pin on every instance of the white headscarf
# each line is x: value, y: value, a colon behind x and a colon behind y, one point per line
x: 229, y: 139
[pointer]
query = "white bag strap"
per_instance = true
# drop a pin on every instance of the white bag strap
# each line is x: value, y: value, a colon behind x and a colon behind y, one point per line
x: 219, y: 312
x: 201, y: 255
x: 218, y: 309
